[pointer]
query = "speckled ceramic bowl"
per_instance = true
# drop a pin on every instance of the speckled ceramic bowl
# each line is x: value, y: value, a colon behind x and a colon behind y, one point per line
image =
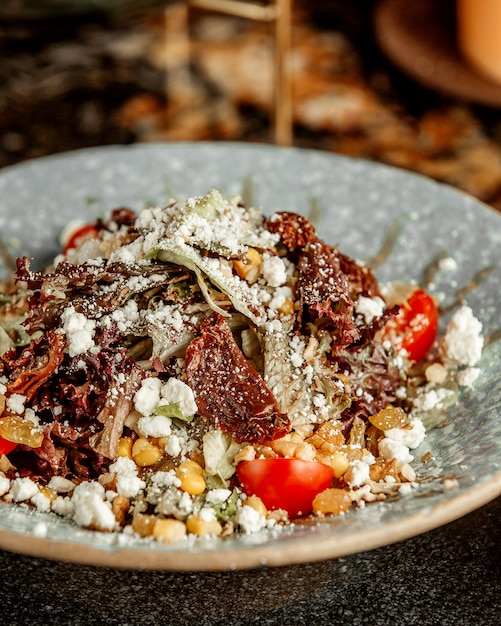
x: 356, y: 201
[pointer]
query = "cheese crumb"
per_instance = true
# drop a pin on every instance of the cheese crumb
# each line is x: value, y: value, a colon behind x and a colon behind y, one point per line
x: 391, y: 449
x: 23, y: 489
x: 370, y: 308
x: 4, y: 485
x: 79, y: 331
x: 273, y: 270
x: 411, y: 436
x: 250, y: 520
x: 90, y: 508
x: 128, y: 482
x: 463, y: 342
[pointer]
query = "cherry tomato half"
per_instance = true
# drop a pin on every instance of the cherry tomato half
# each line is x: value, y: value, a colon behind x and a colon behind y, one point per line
x: 415, y: 327
x: 82, y: 234
x: 6, y: 446
x: 289, y: 484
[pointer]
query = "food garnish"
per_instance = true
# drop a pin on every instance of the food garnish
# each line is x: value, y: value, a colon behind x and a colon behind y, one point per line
x: 199, y: 369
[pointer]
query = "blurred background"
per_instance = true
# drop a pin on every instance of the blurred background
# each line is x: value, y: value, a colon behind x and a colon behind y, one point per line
x: 382, y: 80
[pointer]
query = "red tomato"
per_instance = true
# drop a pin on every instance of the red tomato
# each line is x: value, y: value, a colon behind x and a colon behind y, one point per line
x: 289, y: 484
x: 415, y: 327
x: 88, y: 231
x: 6, y: 446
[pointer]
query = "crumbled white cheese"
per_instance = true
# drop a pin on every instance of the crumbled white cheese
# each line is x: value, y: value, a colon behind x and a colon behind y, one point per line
x: 154, y: 426
x: 147, y: 396
x: 467, y: 377
x: 217, y: 496
x: 173, y: 445
x: 165, y: 479
x: 370, y: 308
x: 463, y: 342
x: 273, y: 270
x: 357, y: 474
x: 23, y: 489
x: 175, y: 391
x: 90, y: 508
x: 412, y: 435
x: 390, y: 449
x: 128, y: 482
x: 429, y: 399
x: 15, y: 403
x: 63, y: 506
x: 250, y: 520
x: 4, y: 485
x: 405, y: 489
x: 41, y: 501
x: 79, y: 331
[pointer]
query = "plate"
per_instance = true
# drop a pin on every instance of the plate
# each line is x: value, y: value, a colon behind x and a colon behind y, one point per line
x: 356, y: 202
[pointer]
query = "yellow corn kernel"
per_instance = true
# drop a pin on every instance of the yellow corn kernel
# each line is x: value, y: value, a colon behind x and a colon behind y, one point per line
x: 192, y: 483
x: 339, y: 463
x: 257, y: 504
x: 249, y: 269
x: 145, y: 453
x: 203, y: 528
x: 143, y: 524
x: 125, y: 447
x: 331, y: 502
x: 169, y: 530
x: 190, y: 473
x: 190, y: 467
x: 287, y: 308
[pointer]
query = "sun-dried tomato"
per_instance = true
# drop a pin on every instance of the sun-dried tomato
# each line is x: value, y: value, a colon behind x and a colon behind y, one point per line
x: 323, y: 290
x: 295, y: 230
x: 361, y: 279
x: 228, y: 390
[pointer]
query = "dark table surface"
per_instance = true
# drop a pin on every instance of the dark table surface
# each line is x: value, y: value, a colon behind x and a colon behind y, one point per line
x: 448, y: 576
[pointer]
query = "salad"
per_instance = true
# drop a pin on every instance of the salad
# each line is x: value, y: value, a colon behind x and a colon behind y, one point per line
x: 199, y: 369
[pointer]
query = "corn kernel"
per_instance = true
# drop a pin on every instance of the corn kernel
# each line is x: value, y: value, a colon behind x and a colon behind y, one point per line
x: 145, y: 453
x: 287, y: 307
x: 192, y: 483
x: 249, y: 269
x: 339, y: 463
x: 190, y: 467
x: 331, y: 502
x: 257, y: 504
x: 125, y: 447
x: 169, y: 530
x: 203, y: 528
